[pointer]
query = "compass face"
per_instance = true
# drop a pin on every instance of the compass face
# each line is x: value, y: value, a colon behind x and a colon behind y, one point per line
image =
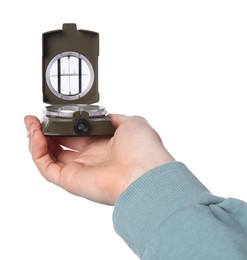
x: 67, y: 111
x: 69, y: 75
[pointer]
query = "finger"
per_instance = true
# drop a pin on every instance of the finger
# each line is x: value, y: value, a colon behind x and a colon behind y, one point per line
x: 74, y: 143
x: 117, y: 119
x: 32, y: 125
x: 84, y: 145
x: 29, y: 120
x: 38, y: 146
x: 45, y: 161
x: 65, y: 156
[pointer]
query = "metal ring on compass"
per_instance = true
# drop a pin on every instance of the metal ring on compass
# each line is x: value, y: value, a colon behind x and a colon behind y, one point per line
x: 67, y: 111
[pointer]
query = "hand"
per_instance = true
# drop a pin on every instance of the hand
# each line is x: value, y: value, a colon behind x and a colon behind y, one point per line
x: 98, y: 168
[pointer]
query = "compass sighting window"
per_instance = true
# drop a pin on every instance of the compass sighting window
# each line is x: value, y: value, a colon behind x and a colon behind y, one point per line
x: 69, y: 75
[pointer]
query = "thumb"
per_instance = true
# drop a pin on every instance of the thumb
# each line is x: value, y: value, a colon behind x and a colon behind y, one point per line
x: 117, y: 119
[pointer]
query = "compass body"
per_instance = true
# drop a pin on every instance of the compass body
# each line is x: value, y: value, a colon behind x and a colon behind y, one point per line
x: 70, y: 84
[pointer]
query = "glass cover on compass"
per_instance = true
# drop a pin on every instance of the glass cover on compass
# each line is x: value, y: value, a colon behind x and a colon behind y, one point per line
x: 69, y: 75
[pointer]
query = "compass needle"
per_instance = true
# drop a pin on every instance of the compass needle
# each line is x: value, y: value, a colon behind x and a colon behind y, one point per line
x: 69, y: 75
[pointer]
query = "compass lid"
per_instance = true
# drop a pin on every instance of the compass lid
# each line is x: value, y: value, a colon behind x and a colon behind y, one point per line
x: 70, y: 66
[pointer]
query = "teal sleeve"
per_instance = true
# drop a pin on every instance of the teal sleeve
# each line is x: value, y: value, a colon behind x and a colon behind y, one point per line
x: 169, y: 214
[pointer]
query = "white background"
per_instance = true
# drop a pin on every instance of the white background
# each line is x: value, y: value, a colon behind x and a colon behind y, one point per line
x: 180, y: 64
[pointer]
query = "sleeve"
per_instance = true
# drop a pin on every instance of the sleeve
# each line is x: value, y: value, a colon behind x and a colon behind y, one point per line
x: 169, y: 214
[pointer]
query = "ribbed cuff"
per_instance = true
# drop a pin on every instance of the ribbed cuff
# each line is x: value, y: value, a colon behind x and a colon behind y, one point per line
x: 154, y: 197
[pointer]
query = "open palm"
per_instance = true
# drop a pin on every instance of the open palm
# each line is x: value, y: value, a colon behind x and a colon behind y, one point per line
x: 98, y: 168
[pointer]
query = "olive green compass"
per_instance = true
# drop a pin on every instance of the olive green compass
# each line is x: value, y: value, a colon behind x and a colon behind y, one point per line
x: 70, y: 84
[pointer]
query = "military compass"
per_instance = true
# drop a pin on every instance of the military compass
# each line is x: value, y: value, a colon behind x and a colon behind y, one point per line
x: 70, y: 84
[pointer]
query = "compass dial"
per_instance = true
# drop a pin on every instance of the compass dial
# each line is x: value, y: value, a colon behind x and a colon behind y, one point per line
x: 67, y: 111
x: 69, y: 75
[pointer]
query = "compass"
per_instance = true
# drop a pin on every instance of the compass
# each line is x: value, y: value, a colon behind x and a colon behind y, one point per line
x: 70, y: 84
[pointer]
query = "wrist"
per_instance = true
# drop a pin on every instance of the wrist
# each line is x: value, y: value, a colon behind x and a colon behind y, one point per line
x: 150, y: 161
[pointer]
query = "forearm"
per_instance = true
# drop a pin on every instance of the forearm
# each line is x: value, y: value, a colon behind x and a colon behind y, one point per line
x: 167, y: 213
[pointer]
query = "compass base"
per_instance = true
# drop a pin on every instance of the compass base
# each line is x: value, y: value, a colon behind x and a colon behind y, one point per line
x: 77, y: 126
